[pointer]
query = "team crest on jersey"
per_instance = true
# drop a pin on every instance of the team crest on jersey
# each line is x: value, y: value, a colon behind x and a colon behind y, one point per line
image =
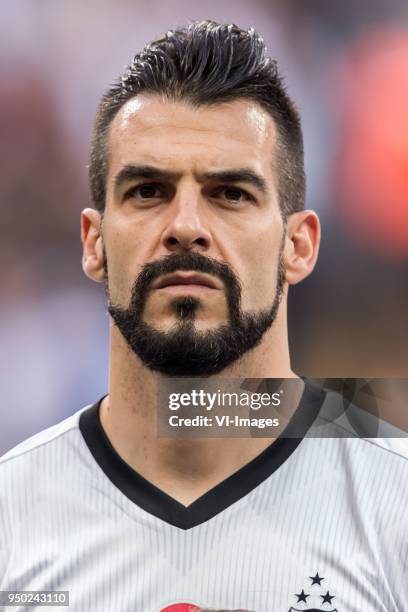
x: 315, y: 596
x: 315, y: 593
x: 181, y: 607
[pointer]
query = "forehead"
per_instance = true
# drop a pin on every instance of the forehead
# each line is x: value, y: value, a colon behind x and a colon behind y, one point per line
x: 153, y: 129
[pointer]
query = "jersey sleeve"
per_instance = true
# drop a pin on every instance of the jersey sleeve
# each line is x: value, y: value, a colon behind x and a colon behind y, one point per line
x: 395, y: 559
x: 391, y: 501
x: 4, y: 536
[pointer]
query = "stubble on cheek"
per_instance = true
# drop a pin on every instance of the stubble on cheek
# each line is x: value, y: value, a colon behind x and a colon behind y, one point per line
x: 119, y: 288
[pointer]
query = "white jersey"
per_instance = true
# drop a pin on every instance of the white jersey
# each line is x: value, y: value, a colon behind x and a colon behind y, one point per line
x: 310, y: 524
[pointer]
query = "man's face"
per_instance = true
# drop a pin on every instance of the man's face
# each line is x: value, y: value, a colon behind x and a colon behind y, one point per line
x: 192, y: 228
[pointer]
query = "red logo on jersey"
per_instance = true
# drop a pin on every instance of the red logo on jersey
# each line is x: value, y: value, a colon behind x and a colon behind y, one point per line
x: 181, y: 607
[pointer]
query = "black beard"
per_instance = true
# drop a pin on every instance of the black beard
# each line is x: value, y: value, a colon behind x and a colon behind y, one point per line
x: 183, y: 350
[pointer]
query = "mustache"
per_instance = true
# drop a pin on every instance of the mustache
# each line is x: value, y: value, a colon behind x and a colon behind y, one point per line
x: 184, y: 261
x: 190, y: 261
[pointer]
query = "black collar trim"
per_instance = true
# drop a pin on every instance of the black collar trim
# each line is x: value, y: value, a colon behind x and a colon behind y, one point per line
x: 235, y: 487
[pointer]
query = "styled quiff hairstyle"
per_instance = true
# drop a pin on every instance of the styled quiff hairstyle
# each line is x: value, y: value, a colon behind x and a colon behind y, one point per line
x: 204, y: 64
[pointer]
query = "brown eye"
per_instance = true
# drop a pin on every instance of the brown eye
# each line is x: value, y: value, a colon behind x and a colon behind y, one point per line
x: 147, y: 191
x: 234, y: 194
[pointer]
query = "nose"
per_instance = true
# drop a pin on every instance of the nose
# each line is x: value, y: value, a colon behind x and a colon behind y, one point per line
x: 186, y: 229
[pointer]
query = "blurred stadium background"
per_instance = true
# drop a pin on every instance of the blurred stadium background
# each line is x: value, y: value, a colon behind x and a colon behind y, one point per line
x: 346, y: 65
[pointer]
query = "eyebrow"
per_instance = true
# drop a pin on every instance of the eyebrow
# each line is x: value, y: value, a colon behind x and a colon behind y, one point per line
x: 132, y: 172
x: 240, y: 175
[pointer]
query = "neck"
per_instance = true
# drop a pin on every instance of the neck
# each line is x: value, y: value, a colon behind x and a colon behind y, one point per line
x: 183, y: 468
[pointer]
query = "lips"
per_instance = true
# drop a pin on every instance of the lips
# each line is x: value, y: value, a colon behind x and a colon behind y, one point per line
x: 178, y: 278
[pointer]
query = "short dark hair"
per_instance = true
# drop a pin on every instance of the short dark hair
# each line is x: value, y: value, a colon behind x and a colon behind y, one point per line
x: 203, y: 64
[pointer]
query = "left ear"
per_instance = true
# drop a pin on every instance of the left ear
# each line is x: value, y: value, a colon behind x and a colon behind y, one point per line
x: 301, y: 245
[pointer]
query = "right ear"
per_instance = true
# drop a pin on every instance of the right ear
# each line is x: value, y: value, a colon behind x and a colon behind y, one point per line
x: 91, y: 237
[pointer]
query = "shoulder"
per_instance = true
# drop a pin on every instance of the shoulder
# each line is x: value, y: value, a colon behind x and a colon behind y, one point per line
x: 341, y: 418
x: 367, y: 452
x: 397, y: 447
x: 42, y: 471
x: 35, y: 476
x: 26, y: 457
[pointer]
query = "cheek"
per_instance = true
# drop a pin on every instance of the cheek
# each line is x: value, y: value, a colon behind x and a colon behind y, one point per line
x: 260, y: 271
x: 123, y: 266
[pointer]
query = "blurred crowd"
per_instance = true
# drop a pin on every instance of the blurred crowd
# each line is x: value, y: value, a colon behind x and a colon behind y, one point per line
x: 346, y: 65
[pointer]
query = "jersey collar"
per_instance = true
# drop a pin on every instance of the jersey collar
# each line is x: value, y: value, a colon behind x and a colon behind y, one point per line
x: 219, y: 498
